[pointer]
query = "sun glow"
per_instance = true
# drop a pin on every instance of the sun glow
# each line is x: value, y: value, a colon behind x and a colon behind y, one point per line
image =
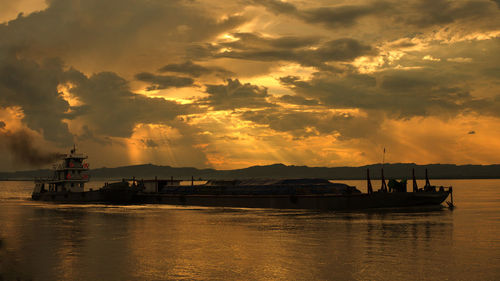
x: 152, y: 141
x: 64, y: 90
x: 187, y: 95
x: 12, y: 117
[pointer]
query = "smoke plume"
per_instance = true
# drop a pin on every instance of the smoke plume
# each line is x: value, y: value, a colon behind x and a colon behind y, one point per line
x: 22, y: 146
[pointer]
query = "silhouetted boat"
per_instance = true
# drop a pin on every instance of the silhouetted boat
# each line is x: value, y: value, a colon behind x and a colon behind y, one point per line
x: 67, y: 186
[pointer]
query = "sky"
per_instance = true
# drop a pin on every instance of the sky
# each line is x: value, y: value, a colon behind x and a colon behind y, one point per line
x: 231, y: 84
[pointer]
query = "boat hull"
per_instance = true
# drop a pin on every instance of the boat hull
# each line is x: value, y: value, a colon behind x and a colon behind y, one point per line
x: 94, y: 196
x: 317, y: 201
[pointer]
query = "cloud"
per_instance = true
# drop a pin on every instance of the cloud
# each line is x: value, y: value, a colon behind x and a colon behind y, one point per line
x: 345, y: 15
x: 319, y: 122
x: 87, y: 135
x: 150, y: 143
x: 21, y: 144
x: 177, y: 143
x: 159, y: 82
x: 108, y: 105
x: 430, y: 12
x: 331, y: 17
x: 117, y: 35
x: 306, y: 51
x: 297, y: 100
x: 459, y: 59
x: 112, y: 109
x: 397, y: 93
x: 420, y: 13
x: 276, y: 6
x: 344, y: 49
x: 431, y: 58
x: 34, y: 87
x: 195, y: 70
x: 234, y: 95
x: 70, y: 72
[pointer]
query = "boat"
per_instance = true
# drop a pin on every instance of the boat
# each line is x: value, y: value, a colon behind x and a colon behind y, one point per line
x: 70, y: 176
x: 67, y: 184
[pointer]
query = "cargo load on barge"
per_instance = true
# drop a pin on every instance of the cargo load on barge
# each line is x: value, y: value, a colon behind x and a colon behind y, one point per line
x: 70, y: 176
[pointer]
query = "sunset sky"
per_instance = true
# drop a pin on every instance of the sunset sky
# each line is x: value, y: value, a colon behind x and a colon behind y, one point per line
x: 231, y: 84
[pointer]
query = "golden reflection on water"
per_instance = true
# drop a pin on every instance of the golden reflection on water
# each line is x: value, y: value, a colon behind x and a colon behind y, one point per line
x: 159, y: 242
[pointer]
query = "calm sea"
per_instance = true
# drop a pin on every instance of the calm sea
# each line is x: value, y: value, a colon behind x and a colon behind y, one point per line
x: 45, y: 241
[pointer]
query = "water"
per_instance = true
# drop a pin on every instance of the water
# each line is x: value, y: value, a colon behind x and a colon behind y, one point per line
x: 46, y: 241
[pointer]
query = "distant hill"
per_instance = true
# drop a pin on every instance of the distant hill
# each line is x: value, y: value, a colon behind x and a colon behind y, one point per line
x: 397, y: 170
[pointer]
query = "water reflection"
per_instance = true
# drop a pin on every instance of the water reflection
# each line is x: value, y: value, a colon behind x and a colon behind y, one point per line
x: 97, y: 242
x: 158, y: 243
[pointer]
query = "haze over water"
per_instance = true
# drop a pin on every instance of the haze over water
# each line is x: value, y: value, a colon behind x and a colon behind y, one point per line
x: 44, y: 241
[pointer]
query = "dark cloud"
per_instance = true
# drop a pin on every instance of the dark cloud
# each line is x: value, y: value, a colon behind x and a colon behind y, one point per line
x: 305, y: 51
x: 111, y: 33
x: 195, y: 70
x: 420, y: 13
x: 486, y: 106
x: 276, y: 6
x: 254, y: 40
x: 111, y: 109
x: 118, y: 34
x: 330, y: 17
x: 320, y: 122
x: 150, y: 143
x: 255, y: 43
x: 34, y: 87
x: 88, y: 135
x: 344, y: 49
x: 399, y: 94
x: 471, y: 132
x: 234, y: 95
x: 159, y: 82
x: 21, y: 145
x: 343, y: 16
x: 297, y: 100
x: 425, y: 13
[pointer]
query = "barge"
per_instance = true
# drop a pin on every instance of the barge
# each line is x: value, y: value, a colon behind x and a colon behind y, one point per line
x: 70, y: 176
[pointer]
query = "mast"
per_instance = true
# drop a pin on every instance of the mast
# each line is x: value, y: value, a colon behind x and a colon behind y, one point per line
x: 415, y: 186
x: 368, y: 182
x: 383, y: 188
x: 427, y: 182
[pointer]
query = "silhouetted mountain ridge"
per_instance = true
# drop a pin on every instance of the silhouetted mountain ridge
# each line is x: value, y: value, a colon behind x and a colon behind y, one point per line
x: 394, y: 170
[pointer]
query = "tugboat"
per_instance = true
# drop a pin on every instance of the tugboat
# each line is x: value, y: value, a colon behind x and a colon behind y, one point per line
x: 67, y: 186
